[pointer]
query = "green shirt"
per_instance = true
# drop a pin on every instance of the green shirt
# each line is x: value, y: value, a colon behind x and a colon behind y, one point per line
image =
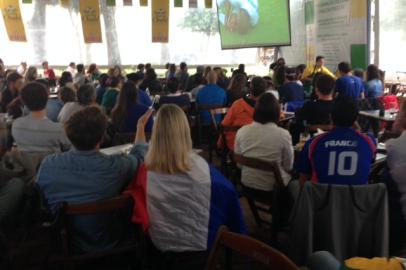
x: 109, y: 99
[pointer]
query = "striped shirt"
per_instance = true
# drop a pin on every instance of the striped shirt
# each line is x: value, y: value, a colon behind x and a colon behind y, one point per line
x: 39, y: 135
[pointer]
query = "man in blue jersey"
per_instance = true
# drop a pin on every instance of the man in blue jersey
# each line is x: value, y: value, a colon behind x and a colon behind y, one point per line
x: 341, y: 156
x: 348, y: 85
x: 211, y: 95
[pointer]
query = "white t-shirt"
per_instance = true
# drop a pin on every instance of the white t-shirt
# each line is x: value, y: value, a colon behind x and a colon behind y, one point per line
x: 266, y: 142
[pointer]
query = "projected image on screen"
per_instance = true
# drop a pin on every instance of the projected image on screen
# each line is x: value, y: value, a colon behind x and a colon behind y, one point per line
x: 253, y: 23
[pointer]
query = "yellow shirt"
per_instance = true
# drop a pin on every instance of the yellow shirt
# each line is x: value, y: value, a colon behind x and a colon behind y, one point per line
x: 311, y: 70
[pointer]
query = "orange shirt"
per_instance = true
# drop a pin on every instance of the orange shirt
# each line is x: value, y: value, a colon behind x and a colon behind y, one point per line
x: 239, y: 114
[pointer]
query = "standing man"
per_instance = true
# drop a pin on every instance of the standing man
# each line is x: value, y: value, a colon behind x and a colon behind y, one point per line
x: 348, y: 85
x: 310, y: 73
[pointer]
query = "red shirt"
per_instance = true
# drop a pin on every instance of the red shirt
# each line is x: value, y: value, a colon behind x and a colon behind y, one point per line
x: 50, y: 74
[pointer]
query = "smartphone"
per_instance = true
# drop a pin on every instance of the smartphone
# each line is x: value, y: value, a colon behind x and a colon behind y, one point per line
x: 155, y: 101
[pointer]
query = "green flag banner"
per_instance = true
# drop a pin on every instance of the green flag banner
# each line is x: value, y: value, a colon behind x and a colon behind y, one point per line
x: 27, y: 1
x: 143, y: 3
x: 178, y: 3
x: 111, y: 3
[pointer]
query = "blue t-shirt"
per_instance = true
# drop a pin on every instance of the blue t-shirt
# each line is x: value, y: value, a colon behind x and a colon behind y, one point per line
x: 143, y: 98
x: 291, y: 91
x: 54, y: 106
x: 374, y: 89
x: 134, y: 113
x: 350, y: 86
x: 342, y: 156
x: 211, y: 94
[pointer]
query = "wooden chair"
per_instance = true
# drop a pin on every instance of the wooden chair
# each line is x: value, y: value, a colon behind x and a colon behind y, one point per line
x: 272, y: 206
x: 200, y: 108
x: 225, y: 152
x: 248, y: 247
x: 66, y: 232
x: 215, y: 130
x: 210, y: 129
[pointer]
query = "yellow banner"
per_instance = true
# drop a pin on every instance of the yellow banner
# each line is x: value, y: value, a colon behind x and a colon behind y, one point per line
x: 208, y: 3
x: 359, y: 9
x: 160, y: 21
x: 12, y: 19
x: 65, y: 3
x: 90, y: 13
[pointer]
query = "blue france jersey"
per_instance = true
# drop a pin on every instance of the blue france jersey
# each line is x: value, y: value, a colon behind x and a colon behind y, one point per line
x: 342, y: 156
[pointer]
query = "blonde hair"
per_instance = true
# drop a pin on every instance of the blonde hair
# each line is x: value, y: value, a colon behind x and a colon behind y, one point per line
x: 30, y: 75
x: 171, y: 143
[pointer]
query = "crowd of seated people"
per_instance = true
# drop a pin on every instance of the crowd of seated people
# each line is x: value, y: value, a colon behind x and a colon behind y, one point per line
x: 187, y: 199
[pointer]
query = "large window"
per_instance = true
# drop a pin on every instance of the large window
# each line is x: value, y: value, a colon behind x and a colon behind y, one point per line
x: 393, y: 36
x: 55, y: 33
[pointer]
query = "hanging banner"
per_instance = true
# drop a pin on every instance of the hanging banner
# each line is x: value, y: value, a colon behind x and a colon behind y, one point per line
x: 160, y: 21
x: 27, y: 1
x: 111, y: 3
x: 127, y: 2
x: 178, y: 3
x: 90, y: 13
x: 143, y: 3
x: 208, y: 3
x: 192, y: 3
x: 12, y: 19
x: 337, y: 30
x: 65, y: 3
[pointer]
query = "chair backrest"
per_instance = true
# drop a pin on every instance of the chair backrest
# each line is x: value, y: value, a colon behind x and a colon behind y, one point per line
x: 208, y: 107
x: 260, y: 164
x: 217, y: 111
x: 66, y: 211
x: 248, y: 247
x: 105, y: 206
x: 322, y: 211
